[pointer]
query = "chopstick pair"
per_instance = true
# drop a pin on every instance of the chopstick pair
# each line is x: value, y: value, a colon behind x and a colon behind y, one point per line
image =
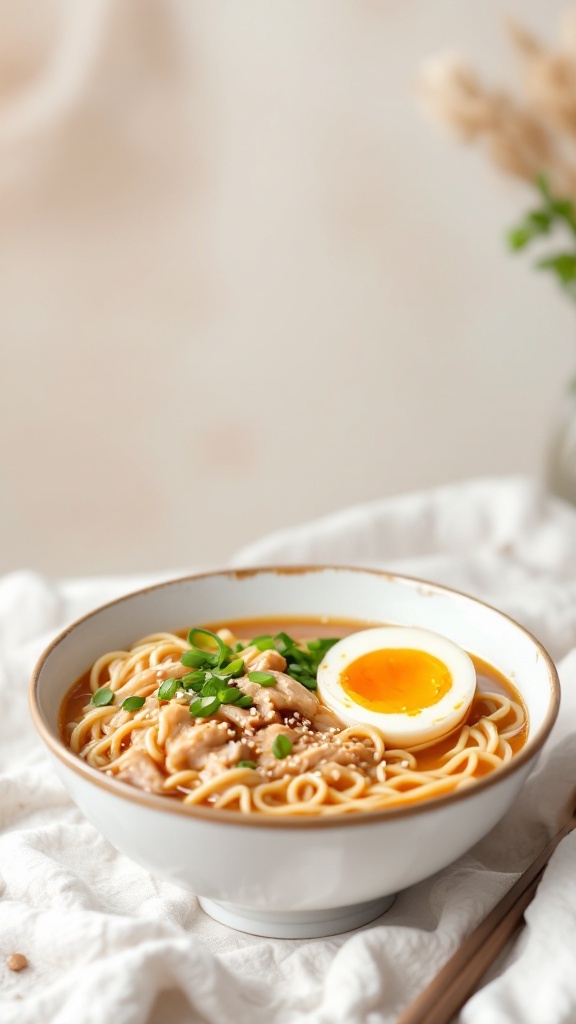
x: 456, y: 981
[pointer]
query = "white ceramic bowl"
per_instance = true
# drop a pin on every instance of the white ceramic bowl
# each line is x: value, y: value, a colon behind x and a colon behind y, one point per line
x: 301, y: 877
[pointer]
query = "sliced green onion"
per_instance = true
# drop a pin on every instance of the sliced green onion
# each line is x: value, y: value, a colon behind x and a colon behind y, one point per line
x: 263, y: 643
x: 285, y: 642
x: 211, y: 688
x: 282, y: 746
x: 309, y: 682
x: 232, y: 670
x: 214, y: 657
x: 102, y: 697
x: 262, y: 678
x: 303, y: 676
x: 168, y: 688
x: 204, y: 706
x: 231, y: 695
x: 245, y: 702
x: 246, y: 764
x: 194, y: 680
x: 323, y: 644
x: 239, y: 647
x: 195, y: 659
x: 132, y: 703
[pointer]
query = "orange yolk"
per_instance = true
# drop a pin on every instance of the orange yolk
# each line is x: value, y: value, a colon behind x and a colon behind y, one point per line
x: 396, y: 681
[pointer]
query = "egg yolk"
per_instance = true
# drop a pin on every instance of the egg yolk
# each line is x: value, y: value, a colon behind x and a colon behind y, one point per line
x: 396, y: 681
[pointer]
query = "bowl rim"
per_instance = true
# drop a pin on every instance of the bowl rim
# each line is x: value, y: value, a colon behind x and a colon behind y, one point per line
x: 154, y: 801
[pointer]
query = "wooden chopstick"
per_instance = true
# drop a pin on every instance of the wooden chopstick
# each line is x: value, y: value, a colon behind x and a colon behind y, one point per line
x: 452, y: 986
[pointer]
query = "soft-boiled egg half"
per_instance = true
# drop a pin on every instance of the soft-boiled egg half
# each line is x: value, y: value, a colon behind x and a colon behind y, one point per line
x: 415, y: 686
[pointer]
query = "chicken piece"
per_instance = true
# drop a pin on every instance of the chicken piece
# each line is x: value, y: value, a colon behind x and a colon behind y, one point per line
x: 227, y: 757
x: 263, y: 711
x: 153, y: 677
x: 239, y: 717
x: 190, y: 746
x: 140, y: 770
x: 286, y: 695
x: 324, y: 720
x: 317, y: 754
x: 264, y: 740
x: 174, y: 717
x: 268, y: 661
x: 249, y: 655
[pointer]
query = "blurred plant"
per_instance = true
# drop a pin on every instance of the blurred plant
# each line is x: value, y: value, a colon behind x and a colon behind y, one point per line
x: 532, y: 137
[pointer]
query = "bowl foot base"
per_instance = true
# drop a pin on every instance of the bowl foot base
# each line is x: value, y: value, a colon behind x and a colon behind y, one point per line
x: 296, y: 924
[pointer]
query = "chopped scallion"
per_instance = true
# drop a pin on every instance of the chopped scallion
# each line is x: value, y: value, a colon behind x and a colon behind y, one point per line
x: 232, y: 669
x: 282, y: 746
x: 262, y: 678
x: 211, y: 687
x: 195, y: 659
x: 263, y: 643
x: 133, y: 703
x: 231, y: 695
x: 204, y: 706
x: 198, y: 636
x: 102, y: 697
x: 168, y: 688
x: 246, y: 764
x: 194, y: 680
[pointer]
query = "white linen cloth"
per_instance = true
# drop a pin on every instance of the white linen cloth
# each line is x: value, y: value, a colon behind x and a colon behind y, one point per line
x: 106, y: 942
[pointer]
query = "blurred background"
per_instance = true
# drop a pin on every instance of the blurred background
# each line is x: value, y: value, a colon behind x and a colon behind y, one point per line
x: 244, y: 282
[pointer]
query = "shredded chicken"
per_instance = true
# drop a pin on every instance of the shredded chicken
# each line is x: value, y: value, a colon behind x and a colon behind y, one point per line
x: 262, y: 661
x: 191, y: 745
x: 139, y: 769
x: 286, y: 695
x: 213, y: 745
x: 268, y: 661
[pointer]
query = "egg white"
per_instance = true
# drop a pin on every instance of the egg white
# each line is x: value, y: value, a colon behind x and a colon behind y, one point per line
x: 409, y: 729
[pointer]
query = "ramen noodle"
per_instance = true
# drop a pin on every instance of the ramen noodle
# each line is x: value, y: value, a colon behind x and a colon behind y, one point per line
x: 244, y: 729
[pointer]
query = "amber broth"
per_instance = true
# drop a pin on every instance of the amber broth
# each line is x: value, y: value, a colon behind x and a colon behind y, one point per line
x: 489, y: 678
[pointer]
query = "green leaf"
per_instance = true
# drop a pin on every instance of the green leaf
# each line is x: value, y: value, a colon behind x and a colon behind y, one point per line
x: 133, y: 703
x: 518, y: 238
x: 542, y: 185
x: 102, y: 697
x: 282, y: 746
x: 562, y: 264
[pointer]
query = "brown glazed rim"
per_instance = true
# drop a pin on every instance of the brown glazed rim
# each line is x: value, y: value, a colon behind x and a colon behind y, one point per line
x: 208, y: 814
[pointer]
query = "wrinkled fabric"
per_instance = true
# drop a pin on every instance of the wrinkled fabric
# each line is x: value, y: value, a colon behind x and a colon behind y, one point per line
x: 108, y: 942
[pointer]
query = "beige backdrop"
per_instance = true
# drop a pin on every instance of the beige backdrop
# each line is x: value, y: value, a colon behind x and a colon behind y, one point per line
x: 243, y: 282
